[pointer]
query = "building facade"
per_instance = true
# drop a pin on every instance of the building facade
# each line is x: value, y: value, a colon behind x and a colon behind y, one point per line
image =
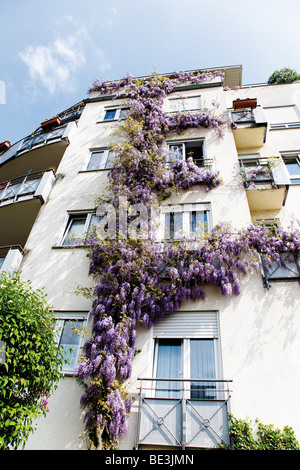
x: 214, y: 356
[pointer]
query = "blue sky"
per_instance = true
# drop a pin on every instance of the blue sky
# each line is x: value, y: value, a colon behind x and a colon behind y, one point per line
x: 52, y: 52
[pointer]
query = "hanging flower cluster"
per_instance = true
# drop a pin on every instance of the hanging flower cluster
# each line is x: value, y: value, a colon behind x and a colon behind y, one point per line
x: 136, y: 281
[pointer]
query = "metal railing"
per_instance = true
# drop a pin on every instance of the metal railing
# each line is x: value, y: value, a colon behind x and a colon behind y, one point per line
x: 259, y: 174
x: 243, y: 116
x: 22, y: 186
x: 42, y: 138
x: 185, y: 413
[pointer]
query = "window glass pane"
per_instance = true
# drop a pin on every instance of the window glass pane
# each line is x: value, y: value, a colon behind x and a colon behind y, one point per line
x: 173, y: 225
x: 75, y: 230
x: 202, y: 364
x: 110, y: 161
x: 195, y: 151
x: 95, y: 219
x: 198, y: 223
x: 168, y: 366
x: 193, y: 102
x: 95, y: 160
x: 1, y: 261
x: 110, y: 115
x: 175, y: 152
x: 293, y: 166
x: 184, y: 104
x: 123, y: 113
x: 70, y: 339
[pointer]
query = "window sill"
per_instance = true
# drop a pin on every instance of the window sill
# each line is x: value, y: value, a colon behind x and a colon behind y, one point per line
x: 94, y: 171
x: 66, y: 247
x: 284, y: 128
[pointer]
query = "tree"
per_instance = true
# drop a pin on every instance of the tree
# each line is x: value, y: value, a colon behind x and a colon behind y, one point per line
x: 285, y: 75
x: 29, y: 359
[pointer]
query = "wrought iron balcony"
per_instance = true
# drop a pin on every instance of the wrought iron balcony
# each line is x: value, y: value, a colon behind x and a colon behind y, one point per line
x: 183, y: 413
x: 285, y: 268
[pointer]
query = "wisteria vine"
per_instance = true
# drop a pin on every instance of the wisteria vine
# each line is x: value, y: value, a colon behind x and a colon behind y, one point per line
x: 136, y: 281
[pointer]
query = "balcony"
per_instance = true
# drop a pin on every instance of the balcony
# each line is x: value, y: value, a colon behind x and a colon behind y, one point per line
x: 285, y: 268
x: 184, y: 414
x: 249, y: 126
x: 10, y: 258
x: 20, y: 200
x: 266, y: 183
x: 42, y: 149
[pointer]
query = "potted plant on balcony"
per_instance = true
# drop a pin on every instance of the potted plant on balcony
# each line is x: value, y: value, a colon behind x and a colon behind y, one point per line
x: 244, y: 103
x: 4, y: 145
x: 51, y: 123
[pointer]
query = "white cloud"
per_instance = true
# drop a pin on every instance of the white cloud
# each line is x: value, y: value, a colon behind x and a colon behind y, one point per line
x: 56, y: 66
x: 52, y: 66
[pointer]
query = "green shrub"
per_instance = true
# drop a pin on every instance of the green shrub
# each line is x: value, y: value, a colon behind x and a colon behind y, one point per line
x: 268, y: 437
x: 29, y: 360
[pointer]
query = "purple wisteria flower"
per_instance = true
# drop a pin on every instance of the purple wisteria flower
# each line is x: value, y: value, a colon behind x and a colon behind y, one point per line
x: 130, y: 288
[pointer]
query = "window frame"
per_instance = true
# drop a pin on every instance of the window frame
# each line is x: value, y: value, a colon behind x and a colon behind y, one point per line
x: 185, y: 339
x: 285, y: 124
x: 71, y: 217
x: 184, y: 143
x: 186, y: 210
x: 118, y: 110
x: 107, y: 154
x: 292, y: 155
x: 60, y: 319
x: 182, y: 99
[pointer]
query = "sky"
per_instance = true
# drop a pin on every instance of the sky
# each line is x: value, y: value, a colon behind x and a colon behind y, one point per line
x: 52, y: 53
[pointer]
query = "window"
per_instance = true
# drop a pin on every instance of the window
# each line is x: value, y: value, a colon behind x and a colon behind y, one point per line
x: 2, y: 258
x: 185, y: 220
x: 184, y: 150
x: 115, y: 114
x: 100, y: 160
x: 78, y: 226
x: 190, y: 352
x: 201, y: 365
x: 283, y: 117
x: 69, y: 339
x: 292, y: 163
x: 188, y: 103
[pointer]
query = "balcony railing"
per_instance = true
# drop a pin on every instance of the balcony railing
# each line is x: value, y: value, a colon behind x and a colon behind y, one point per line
x: 42, y: 138
x: 38, y: 139
x: 185, y: 413
x: 24, y: 187
x: 285, y: 268
x: 260, y: 175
